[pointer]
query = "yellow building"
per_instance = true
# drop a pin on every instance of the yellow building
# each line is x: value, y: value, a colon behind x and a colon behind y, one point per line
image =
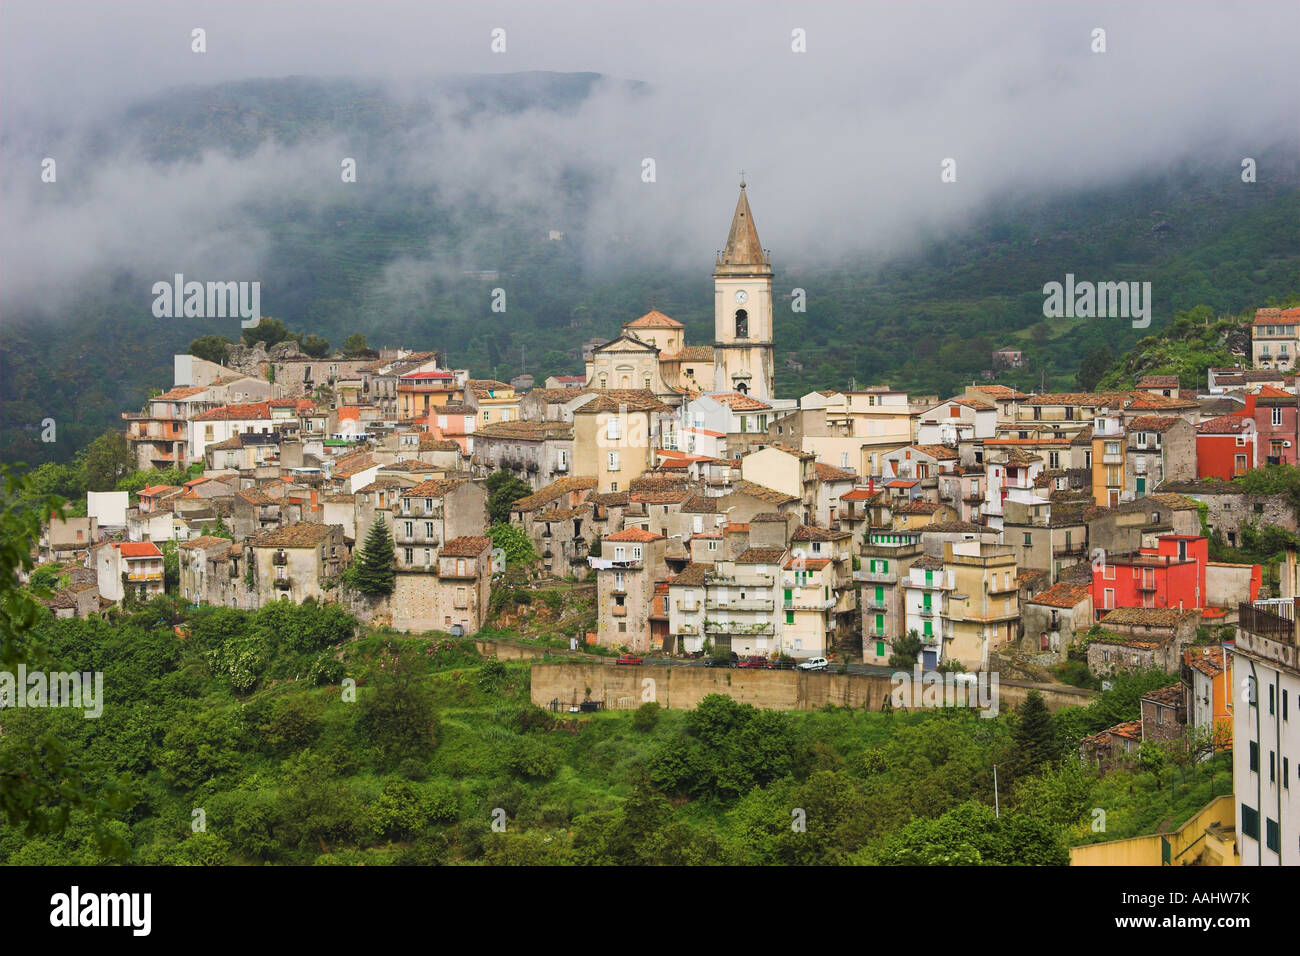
x: 495, y: 401
x: 615, y: 438
x: 982, y: 610
x: 808, y: 605
x: 1108, y: 457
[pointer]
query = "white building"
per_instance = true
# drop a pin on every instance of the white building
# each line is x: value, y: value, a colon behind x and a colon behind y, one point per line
x: 1266, y: 734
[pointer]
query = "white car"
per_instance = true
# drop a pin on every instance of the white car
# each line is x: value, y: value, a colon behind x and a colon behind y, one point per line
x: 814, y: 664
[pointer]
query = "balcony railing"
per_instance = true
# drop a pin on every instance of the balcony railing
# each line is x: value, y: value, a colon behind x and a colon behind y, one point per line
x: 809, y: 604
x: 877, y: 577
x: 749, y: 604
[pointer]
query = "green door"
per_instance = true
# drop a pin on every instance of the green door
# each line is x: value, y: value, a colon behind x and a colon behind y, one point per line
x: 880, y: 597
x: 789, y: 595
x: 1142, y: 487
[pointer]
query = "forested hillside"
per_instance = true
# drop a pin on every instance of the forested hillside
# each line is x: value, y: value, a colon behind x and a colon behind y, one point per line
x: 926, y: 321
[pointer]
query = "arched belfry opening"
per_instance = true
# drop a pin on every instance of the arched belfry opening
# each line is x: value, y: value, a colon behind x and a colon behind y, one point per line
x: 742, y: 324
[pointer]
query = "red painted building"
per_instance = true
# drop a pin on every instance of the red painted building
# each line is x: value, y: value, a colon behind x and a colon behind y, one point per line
x: 1277, y: 426
x: 1225, y: 446
x: 1172, y: 574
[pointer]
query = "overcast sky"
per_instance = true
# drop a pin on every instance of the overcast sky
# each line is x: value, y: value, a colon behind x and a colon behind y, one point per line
x: 841, y: 144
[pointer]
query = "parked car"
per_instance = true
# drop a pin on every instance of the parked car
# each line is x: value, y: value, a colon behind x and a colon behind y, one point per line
x: 753, y: 661
x: 628, y: 659
x: 782, y: 664
x: 719, y: 662
x: 815, y: 664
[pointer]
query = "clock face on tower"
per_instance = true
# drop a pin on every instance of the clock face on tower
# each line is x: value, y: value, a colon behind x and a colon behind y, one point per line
x: 741, y: 296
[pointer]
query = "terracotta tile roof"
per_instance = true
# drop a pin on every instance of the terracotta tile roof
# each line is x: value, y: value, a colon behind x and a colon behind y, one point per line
x: 469, y: 546
x: 662, y: 497
x: 251, y: 412
x: 383, y: 483
x: 970, y: 403
x: 689, y: 353
x: 179, y: 394
x: 430, y: 442
x: 351, y: 465
x: 1084, y: 437
x: 1208, y: 659
x: 654, y: 319
x: 693, y: 575
x: 950, y: 527
x: 639, y: 400
x: 796, y: 452
x: 138, y: 549
x: 1274, y: 396
x: 941, y: 452
x: 1063, y: 594
x: 1158, y: 381
x: 831, y: 473
x: 1030, y: 577
x: 1277, y: 316
x: 810, y: 564
x: 610, y: 499
x: 700, y: 504
x: 1169, y: 696
x: 999, y: 391
x: 255, y: 497
x: 154, y: 490
x: 433, y: 488
x: 761, y: 556
x: 768, y: 516
x: 452, y: 410
x: 807, y: 532
x: 1148, y: 616
x: 1152, y: 423
x: 1225, y: 425
x: 634, y: 534
x: 410, y: 467
x: 525, y: 431
x: 1016, y: 456
x: 555, y: 489
x: 859, y: 494
x: 919, y: 508
x: 645, y: 483
x: 1149, y: 401
x: 302, y: 534
x: 927, y: 563
x: 1088, y: 399
x: 483, y: 387
x: 740, y: 403
x: 762, y: 493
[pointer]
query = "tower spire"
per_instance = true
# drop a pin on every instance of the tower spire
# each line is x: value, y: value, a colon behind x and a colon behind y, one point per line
x: 743, y: 247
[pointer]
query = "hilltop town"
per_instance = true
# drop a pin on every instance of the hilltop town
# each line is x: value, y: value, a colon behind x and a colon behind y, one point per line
x: 1054, y: 537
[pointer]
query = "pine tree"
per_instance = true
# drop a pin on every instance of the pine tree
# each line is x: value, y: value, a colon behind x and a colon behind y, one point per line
x: 376, y: 566
x: 1034, y: 736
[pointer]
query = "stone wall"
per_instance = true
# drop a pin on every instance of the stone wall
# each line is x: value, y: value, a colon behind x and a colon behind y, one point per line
x: 625, y: 687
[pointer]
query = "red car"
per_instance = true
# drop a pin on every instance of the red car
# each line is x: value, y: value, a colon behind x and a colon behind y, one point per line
x: 628, y: 659
x: 760, y: 662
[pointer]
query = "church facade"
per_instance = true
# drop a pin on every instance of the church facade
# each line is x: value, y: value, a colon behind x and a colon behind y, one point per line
x: 652, y: 354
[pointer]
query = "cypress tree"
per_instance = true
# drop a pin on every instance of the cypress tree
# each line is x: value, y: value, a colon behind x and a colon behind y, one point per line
x: 376, y: 566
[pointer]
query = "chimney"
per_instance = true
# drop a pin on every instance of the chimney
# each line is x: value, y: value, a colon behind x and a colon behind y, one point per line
x: 1250, y: 405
